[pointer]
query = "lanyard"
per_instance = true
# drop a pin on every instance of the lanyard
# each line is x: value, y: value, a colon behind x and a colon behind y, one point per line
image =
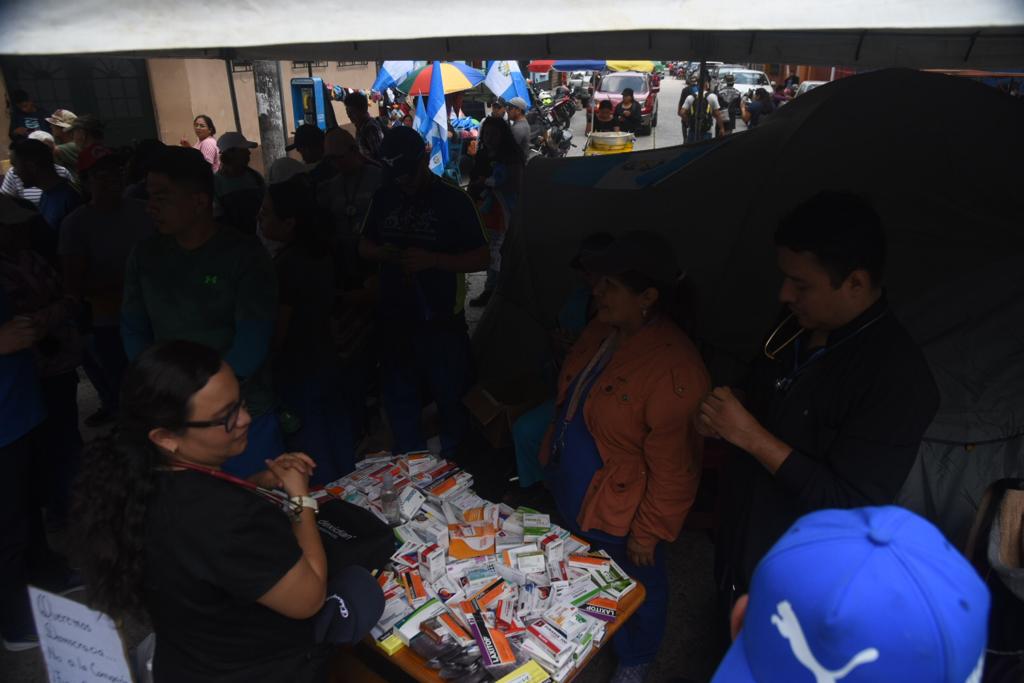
x: 274, y: 497
x: 583, y: 383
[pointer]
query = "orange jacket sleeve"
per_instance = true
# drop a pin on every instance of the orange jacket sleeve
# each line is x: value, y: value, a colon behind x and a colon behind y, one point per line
x: 672, y: 456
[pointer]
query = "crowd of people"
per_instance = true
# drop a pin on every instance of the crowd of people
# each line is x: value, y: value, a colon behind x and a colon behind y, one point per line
x: 213, y: 310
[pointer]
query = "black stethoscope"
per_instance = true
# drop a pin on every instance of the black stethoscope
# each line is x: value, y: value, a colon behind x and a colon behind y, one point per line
x: 783, y: 384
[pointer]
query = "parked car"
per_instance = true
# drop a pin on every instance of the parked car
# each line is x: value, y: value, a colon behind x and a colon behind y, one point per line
x: 612, y: 85
x: 746, y: 79
x: 808, y: 86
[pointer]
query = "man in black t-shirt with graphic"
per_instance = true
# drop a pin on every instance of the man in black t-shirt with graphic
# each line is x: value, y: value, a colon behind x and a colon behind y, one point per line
x: 426, y: 235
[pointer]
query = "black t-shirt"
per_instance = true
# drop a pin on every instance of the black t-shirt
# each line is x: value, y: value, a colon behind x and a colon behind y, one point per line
x: 605, y: 126
x: 631, y: 123
x: 213, y: 549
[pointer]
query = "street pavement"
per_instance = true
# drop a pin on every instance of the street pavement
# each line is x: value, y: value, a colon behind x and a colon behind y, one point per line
x: 668, y: 133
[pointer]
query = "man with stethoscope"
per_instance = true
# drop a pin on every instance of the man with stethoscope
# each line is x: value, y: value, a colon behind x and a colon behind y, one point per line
x: 835, y: 410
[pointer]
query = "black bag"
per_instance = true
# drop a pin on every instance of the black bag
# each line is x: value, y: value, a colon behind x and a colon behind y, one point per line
x: 353, y: 536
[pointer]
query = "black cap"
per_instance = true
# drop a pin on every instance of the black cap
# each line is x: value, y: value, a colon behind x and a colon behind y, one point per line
x: 307, y: 135
x: 638, y: 251
x: 353, y: 606
x: 401, y: 151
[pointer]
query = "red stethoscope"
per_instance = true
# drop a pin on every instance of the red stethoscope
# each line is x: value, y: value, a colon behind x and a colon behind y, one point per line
x: 278, y: 498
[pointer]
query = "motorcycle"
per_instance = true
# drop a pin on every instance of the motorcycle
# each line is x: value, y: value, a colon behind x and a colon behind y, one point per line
x: 551, y: 141
x: 562, y: 109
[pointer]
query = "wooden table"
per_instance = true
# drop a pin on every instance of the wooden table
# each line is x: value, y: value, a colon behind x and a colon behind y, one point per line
x: 413, y: 665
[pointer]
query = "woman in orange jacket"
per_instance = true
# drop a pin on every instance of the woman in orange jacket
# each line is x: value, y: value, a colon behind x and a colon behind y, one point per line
x: 623, y: 454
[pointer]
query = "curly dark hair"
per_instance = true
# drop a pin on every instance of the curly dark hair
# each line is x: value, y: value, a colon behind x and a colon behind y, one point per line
x: 118, y: 476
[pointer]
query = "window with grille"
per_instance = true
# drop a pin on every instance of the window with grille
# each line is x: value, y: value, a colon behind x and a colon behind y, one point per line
x: 309, y: 65
x: 343, y: 64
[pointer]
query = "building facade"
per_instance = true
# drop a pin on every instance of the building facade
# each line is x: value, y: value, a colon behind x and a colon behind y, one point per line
x: 159, y: 98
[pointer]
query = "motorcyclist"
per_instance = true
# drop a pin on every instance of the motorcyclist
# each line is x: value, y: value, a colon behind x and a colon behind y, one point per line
x: 729, y: 99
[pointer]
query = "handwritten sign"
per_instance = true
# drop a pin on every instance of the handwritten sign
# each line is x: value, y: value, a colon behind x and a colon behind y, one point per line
x: 79, y: 645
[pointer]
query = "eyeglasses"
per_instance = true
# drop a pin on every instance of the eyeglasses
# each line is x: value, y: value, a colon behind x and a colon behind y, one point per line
x: 229, y: 421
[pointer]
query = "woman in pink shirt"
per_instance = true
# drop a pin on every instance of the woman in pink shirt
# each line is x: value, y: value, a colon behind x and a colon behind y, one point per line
x: 207, y: 145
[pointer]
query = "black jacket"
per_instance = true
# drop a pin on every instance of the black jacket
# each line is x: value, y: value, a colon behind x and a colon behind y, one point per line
x: 854, y: 416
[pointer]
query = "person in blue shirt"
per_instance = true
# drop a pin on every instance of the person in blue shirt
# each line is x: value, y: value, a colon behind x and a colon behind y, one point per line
x: 577, y: 312
x: 426, y: 235
x: 26, y: 117
x: 33, y: 162
x: 21, y: 411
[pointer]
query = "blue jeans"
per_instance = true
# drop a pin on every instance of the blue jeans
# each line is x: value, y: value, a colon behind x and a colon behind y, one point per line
x: 495, y: 240
x: 437, y: 356
x: 527, y: 435
x: 265, y: 443
x: 104, y: 363
x: 638, y: 640
x: 60, y: 443
x: 321, y: 403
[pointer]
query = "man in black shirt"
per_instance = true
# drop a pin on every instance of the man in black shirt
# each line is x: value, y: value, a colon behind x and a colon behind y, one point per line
x: 835, y: 411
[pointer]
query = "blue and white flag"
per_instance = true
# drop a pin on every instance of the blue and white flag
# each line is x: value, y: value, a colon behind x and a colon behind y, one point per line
x: 437, y: 117
x: 420, y: 122
x: 392, y: 74
x: 506, y: 80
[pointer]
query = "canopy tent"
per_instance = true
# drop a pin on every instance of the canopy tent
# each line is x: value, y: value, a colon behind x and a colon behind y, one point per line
x: 866, y: 33
x: 943, y: 185
x: 543, y: 65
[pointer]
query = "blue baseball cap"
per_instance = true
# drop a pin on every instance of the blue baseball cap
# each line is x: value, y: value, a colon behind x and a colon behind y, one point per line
x: 868, y: 595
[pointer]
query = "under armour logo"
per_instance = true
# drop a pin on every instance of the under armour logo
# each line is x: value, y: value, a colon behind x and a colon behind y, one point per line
x: 210, y: 280
x: 342, y: 607
x: 789, y: 628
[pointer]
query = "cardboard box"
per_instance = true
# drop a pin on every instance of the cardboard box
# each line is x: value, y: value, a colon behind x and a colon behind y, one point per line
x: 495, y: 411
x: 531, y: 672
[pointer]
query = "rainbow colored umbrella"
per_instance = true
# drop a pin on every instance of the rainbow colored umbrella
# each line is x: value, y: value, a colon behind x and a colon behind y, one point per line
x: 455, y: 77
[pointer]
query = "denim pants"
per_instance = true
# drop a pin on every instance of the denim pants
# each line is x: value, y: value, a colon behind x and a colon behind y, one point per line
x: 60, y: 443
x: 321, y: 402
x: 437, y: 357
x: 21, y: 522
x: 496, y: 238
x: 104, y: 363
x: 638, y: 640
x: 527, y: 435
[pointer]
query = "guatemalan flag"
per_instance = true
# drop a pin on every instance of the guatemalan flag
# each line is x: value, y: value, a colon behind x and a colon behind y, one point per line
x: 437, y: 117
x: 420, y: 122
x: 391, y: 74
x: 506, y: 80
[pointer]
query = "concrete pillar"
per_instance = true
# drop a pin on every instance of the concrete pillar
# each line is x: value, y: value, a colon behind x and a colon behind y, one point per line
x: 267, y: 84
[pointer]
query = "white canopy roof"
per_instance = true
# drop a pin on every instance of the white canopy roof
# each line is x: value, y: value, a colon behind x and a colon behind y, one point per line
x: 918, y: 33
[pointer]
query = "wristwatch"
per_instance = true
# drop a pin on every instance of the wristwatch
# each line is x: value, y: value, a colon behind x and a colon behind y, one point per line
x: 300, y: 502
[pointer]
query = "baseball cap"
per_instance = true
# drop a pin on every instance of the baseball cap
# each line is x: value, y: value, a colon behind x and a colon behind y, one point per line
x: 639, y: 251
x: 307, y: 135
x: 62, y: 118
x: 284, y: 169
x: 519, y: 103
x: 401, y: 151
x: 93, y: 154
x: 868, y: 595
x: 234, y: 140
x: 353, y: 605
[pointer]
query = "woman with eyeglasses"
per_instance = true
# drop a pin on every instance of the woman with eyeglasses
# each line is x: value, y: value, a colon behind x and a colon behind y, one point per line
x: 228, y: 580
